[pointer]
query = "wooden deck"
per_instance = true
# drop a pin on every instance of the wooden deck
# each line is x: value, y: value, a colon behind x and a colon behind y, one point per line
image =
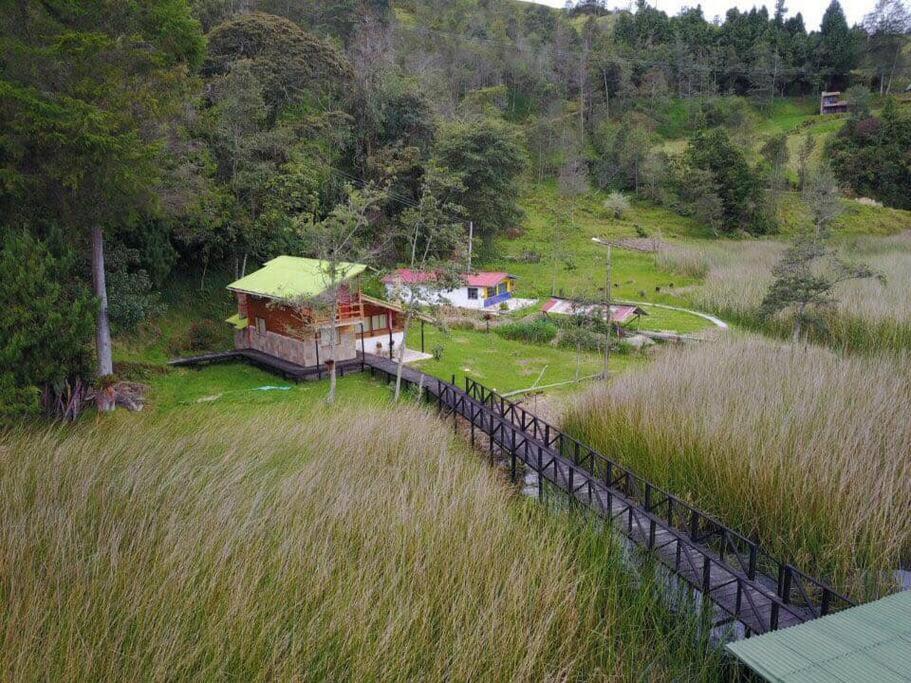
x: 722, y: 566
x: 264, y: 361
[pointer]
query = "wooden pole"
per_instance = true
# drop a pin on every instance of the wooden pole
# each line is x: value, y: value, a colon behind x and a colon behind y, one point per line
x: 607, y: 300
x: 470, y: 242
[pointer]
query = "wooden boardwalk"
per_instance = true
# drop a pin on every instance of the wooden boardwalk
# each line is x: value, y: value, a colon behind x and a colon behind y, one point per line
x: 264, y: 361
x: 743, y: 582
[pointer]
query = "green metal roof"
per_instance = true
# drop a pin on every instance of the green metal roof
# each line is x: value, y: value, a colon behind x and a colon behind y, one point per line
x: 871, y: 642
x: 292, y: 277
x: 238, y: 322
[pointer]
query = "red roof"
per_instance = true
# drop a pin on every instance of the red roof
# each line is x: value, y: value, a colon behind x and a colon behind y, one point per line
x: 414, y: 277
x: 483, y: 279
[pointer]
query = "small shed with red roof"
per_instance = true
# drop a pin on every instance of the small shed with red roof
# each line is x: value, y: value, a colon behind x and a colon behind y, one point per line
x: 479, y: 290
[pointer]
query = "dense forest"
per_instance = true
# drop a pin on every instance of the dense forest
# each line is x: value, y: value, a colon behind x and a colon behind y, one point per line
x: 136, y: 138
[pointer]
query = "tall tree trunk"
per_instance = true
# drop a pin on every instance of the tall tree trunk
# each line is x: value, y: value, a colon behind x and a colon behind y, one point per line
x: 401, y: 365
x: 798, y: 324
x: 102, y: 325
x: 333, y: 381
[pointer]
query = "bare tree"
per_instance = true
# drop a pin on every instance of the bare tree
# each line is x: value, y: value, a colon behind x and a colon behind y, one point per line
x: 338, y: 241
x: 433, y: 230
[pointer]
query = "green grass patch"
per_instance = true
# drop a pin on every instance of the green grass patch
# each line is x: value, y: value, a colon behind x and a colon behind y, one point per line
x: 507, y: 365
x: 233, y: 387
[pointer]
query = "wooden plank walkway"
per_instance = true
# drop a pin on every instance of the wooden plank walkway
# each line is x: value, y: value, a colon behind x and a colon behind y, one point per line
x: 744, y: 583
x: 264, y: 361
x: 723, y: 566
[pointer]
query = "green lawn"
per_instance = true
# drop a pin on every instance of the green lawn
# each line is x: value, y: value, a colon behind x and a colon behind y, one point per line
x: 506, y: 365
x: 240, y: 387
x: 664, y: 320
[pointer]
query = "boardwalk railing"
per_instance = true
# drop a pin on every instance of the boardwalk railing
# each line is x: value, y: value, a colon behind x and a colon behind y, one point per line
x: 727, y: 568
x: 791, y: 585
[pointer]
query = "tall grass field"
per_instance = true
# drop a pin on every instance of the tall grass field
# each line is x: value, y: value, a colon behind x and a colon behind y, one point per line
x: 339, y: 545
x: 870, y: 315
x: 809, y: 450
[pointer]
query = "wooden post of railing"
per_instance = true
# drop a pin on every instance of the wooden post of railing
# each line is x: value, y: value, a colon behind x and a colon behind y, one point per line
x: 826, y: 600
x: 706, y: 575
x: 751, y: 567
x: 490, y: 440
x: 694, y: 525
x: 540, y: 477
x: 471, y: 410
x: 512, y: 454
x: 786, y: 585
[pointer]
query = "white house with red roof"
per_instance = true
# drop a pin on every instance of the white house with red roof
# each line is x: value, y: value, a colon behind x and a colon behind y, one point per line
x: 480, y: 290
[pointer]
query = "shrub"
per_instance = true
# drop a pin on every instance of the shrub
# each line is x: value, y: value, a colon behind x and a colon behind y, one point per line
x: 540, y: 331
x: 203, y: 335
x: 437, y: 351
x: 616, y: 204
x: 577, y: 337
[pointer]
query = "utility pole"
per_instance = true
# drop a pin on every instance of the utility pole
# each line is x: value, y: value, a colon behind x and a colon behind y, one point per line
x: 607, y: 300
x: 470, y: 242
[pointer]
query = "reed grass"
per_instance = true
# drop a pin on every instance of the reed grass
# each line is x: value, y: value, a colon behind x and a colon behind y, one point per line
x: 346, y: 545
x: 809, y: 450
x: 870, y: 316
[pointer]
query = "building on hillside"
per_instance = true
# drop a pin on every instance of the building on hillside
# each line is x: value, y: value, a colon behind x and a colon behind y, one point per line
x: 482, y: 290
x: 832, y: 103
x: 283, y: 310
x: 620, y: 314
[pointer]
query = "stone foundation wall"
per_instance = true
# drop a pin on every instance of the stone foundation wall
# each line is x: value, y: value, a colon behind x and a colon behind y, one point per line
x: 302, y: 352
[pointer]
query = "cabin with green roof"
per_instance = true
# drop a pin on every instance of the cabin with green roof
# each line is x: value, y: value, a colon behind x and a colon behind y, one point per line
x: 284, y: 309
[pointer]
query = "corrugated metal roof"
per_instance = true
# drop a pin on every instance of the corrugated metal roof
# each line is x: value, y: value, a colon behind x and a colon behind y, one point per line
x: 870, y: 642
x: 292, y: 277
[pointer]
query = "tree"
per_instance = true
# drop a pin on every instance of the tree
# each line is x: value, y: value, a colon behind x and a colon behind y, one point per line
x: 872, y: 156
x: 735, y: 183
x: 572, y: 182
x: 775, y: 153
x: 487, y: 157
x: 338, y: 241
x: 836, y: 51
x: 823, y: 198
x: 45, y: 330
x: 804, y: 156
x: 81, y: 143
x: 886, y: 27
x: 432, y: 230
x: 805, y: 279
x: 616, y: 204
x: 290, y: 65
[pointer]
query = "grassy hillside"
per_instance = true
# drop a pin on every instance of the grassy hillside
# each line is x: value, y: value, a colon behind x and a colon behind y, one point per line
x: 350, y: 545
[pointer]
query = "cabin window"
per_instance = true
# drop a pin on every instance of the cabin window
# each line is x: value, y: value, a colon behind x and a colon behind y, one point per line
x: 473, y: 293
x: 502, y: 288
x: 379, y: 322
x: 329, y: 335
x: 260, y: 326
